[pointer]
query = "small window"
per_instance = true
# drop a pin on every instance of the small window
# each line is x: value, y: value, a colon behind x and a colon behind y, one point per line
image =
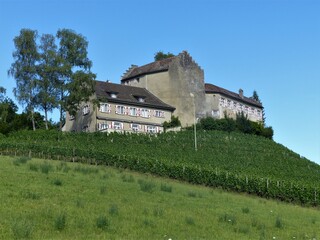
x: 120, y: 109
x: 85, y: 110
x: 118, y: 125
x: 159, y: 114
x: 113, y: 95
x: 102, y: 126
x: 151, y: 129
x: 135, y: 127
x: 140, y: 98
x: 133, y: 111
x: 105, y: 108
x: 215, y: 113
x: 145, y: 113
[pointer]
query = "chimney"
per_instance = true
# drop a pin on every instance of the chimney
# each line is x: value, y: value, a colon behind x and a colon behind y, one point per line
x: 241, y: 93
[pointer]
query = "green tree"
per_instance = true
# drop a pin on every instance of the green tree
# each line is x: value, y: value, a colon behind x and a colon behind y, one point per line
x: 161, y: 55
x: 255, y: 96
x: 2, y: 93
x: 76, y: 81
x: 24, y: 69
x: 48, y: 72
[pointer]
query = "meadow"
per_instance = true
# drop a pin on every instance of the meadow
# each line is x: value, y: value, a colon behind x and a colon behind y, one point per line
x: 46, y: 199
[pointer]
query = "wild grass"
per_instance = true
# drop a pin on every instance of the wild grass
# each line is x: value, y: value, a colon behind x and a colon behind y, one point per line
x: 34, y: 207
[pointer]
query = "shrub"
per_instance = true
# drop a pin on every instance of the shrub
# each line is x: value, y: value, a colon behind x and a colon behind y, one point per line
x: 126, y: 178
x: 33, y: 167
x: 190, y: 221
x: 166, y: 188
x: 245, y: 210
x: 21, y: 229
x: 45, y: 168
x: 113, y: 210
x: 21, y: 160
x: 102, y: 222
x: 279, y: 223
x: 228, y: 218
x: 146, y: 186
x: 57, y: 182
x: 60, y: 222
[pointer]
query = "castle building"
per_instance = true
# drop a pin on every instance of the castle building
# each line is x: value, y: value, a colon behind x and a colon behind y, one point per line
x: 179, y: 81
x: 122, y: 109
x: 150, y: 94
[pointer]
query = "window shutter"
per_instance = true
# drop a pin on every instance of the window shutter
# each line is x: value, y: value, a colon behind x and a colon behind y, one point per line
x: 162, y: 114
x: 154, y: 113
x: 157, y: 129
x: 131, y: 125
x: 109, y: 108
x: 121, y: 125
x: 117, y: 106
x: 149, y: 113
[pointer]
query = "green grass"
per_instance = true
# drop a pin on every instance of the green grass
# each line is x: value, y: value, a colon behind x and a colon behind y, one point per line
x: 33, y: 207
x: 235, y: 162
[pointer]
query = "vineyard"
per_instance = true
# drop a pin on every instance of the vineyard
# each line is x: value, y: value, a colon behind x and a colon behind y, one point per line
x: 235, y: 161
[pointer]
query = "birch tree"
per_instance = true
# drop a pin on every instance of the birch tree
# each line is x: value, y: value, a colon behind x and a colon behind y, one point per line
x: 24, y: 70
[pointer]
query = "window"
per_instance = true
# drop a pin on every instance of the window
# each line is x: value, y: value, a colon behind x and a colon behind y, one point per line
x: 215, y: 113
x: 222, y: 102
x: 135, y: 127
x: 120, y: 109
x: 102, y: 126
x: 145, y: 113
x: 151, y: 129
x: 229, y: 103
x: 117, y: 125
x: 259, y: 113
x: 113, y: 94
x: 85, y: 109
x: 104, y: 107
x: 159, y: 114
x: 133, y: 111
x: 140, y: 98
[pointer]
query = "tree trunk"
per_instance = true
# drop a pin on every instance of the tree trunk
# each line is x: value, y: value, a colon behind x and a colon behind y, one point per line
x: 32, y: 119
x: 46, y: 118
x: 60, y: 124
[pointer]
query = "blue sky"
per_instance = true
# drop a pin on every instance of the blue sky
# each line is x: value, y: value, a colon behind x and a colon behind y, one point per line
x: 272, y: 47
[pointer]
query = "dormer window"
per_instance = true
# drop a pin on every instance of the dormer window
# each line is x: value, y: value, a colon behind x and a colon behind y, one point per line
x: 113, y: 94
x: 140, y: 98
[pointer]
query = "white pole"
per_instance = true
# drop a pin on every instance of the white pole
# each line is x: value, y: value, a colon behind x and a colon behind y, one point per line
x: 195, y: 122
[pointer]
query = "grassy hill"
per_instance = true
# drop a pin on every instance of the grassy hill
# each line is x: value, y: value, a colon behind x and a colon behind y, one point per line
x: 45, y: 199
x: 235, y: 161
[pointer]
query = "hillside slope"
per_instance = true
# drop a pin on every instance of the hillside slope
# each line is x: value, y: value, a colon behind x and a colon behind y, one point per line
x: 42, y: 199
x: 233, y: 161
